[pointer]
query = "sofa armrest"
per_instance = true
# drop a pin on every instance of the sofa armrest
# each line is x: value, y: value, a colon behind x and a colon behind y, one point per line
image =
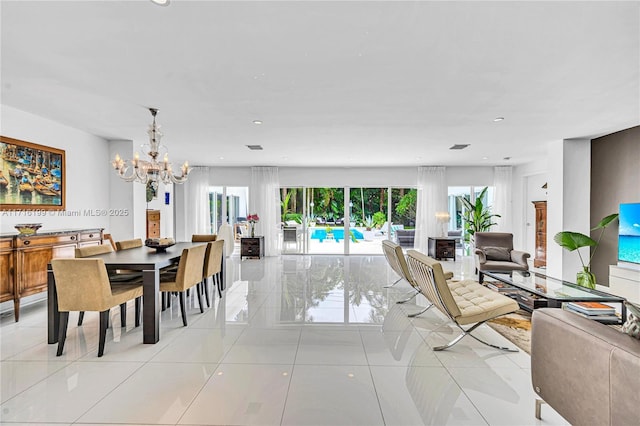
x: 572, y: 354
x: 481, y: 256
x: 448, y: 275
x: 520, y: 257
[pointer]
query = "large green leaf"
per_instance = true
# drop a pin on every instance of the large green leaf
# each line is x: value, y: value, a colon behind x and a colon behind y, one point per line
x: 573, y: 240
x: 606, y: 221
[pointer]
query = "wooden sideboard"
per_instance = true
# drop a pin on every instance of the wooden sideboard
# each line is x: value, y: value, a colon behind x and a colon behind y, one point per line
x: 24, y: 260
x: 540, y: 258
x: 153, y: 224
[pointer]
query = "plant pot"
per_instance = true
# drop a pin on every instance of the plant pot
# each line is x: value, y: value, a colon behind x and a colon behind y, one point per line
x: 586, y: 279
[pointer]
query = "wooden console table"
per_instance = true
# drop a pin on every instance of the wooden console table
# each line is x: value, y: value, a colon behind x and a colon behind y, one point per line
x: 24, y: 259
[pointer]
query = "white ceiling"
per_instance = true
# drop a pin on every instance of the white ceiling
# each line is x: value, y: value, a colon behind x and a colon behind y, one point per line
x: 345, y: 83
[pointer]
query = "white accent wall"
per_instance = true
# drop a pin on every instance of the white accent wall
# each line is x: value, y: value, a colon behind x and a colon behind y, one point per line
x: 87, y: 171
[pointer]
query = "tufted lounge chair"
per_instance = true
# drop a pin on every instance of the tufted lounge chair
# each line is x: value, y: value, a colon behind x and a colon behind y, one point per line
x: 464, y: 302
x: 395, y: 257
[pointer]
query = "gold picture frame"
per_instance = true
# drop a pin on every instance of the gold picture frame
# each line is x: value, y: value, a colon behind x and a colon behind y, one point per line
x: 32, y: 176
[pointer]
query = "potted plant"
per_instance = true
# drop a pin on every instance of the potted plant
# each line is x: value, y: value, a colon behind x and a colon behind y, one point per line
x: 574, y: 240
x: 476, y: 217
x: 368, y: 233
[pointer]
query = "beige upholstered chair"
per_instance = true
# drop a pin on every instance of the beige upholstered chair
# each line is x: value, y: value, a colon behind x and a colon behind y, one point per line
x: 93, y: 250
x: 128, y: 244
x: 396, y: 259
x: 203, y: 238
x: 188, y: 274
x: 494, y: 252
x: 464, y: 302
x: 213, y: 266
x: 109, y: 237
x: 83, y: 285
x: 117, y: 278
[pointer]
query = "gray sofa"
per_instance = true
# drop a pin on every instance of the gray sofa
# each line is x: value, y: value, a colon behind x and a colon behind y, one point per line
x: 588, y: 372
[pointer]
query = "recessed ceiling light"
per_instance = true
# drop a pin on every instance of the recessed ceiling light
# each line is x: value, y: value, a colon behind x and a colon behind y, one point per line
x: 257, y: 122
x: 485, y: 158
x: 161, y: 2
x: 459, y: 146
x: 498, y: 119
x: 220, y: 158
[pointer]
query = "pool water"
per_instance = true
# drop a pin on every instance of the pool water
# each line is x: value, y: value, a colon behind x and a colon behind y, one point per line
x: 338, y: 234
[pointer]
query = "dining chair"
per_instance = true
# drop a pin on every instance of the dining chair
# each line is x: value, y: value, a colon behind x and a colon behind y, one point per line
x: 188, y: 274
x: 205, y: 238
x: 109, y: 237
x: 83, y: 285
x: 213, y: 266
x: 117, y: 278
x: 128, y: 244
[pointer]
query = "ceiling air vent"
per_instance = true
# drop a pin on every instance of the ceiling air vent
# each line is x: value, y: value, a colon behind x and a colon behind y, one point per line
x: 460, y: 146
x: 254, y: 147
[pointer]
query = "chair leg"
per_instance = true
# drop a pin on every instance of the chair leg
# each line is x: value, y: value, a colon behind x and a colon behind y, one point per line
x: 199, y: 293
x: 480, y: 277
x: 218, y: 283
x: 421, y: 312
x: 164, y: 300
x: 181, y: 295
x: 123, y: 314
x: 416, y: 292
x: 104, y: 321
x: 539, y: 403
x: 205, y: 285
x: 468, y: 332
x: 394, y: 283
x: 62, y: 331
x: 138, y: 304
x: 80, y: 318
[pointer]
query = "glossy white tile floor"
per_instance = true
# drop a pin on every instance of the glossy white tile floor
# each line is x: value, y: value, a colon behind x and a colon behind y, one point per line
x: 295, y: 340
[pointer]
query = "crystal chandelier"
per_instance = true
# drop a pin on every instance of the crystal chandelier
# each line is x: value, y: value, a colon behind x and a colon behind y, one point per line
x: 150, y: 172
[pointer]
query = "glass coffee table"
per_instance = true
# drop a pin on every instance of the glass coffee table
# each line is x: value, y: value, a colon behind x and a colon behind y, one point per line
x: 533, y: 290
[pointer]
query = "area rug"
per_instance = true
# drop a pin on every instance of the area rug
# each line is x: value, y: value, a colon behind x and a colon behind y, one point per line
x: 515, y: 327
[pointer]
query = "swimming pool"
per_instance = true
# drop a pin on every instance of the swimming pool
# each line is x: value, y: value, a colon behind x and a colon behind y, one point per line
x: 337, y: 234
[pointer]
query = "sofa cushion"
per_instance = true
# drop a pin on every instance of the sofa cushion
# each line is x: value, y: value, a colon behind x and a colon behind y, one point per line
x: 497, y: 253
x: 632, y: 325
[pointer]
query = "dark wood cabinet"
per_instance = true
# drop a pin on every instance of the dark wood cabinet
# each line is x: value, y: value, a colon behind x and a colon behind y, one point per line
x: 153, y: 224
x: 24, y: 260
x: 442, y: 248
x: 540, y: 256
x: 252, y: 247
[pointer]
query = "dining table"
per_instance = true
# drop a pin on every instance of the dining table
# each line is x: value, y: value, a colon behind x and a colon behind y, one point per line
x: 149, y: 262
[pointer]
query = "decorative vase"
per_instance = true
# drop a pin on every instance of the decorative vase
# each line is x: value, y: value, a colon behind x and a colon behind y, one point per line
x: 253, y: 230
x: 585, y: 278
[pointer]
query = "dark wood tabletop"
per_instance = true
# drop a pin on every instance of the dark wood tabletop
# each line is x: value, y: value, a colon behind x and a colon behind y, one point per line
x: 148, y: 261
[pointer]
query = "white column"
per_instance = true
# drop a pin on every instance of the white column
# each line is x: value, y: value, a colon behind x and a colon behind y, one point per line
x: 128, y: 196
x: 568, y: 206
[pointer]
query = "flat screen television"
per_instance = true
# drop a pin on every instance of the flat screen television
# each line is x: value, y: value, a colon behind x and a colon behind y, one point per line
x: 629, y: 233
